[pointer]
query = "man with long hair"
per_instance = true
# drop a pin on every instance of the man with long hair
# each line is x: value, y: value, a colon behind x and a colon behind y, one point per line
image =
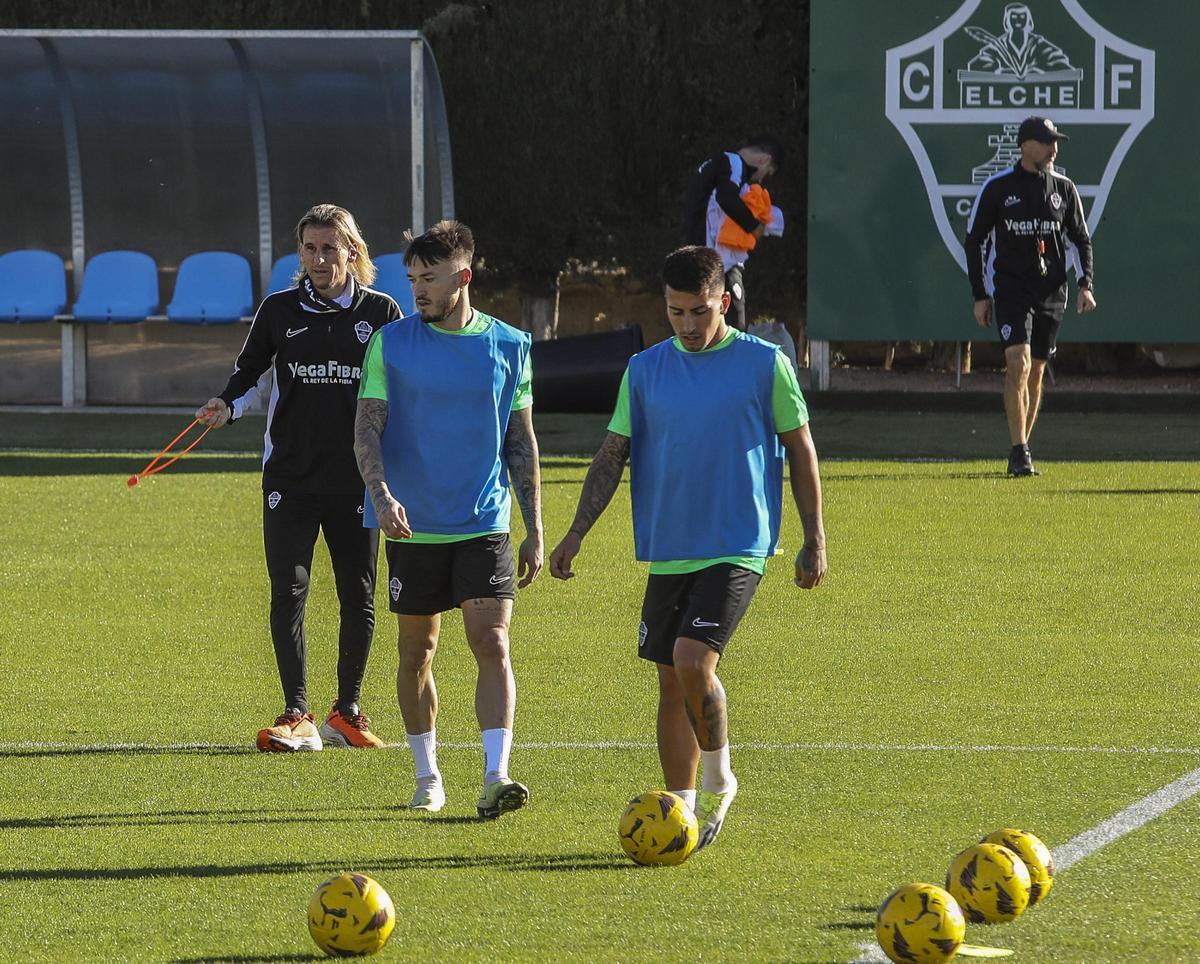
x: 315, y: 336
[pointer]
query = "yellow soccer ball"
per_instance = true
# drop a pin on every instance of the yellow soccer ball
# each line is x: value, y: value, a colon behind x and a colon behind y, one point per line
x: 658, y: 829
x: 350, y: 915
x: 920, y: 922
x: 990, y: 882
x: 1034, y: 854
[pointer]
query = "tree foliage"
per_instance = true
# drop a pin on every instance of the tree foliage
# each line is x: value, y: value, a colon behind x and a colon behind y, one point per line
x: 574, y: 126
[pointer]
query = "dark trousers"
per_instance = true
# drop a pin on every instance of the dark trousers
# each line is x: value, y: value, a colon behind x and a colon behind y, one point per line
x: 290, y: 531
x: 736, y: 315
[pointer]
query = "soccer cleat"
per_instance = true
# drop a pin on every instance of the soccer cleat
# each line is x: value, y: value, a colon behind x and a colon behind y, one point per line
x: 350, y: 730
x: 1020, y: 462
x: 501, y: 796
x: 429, y: 796
x: 711, y: 809
x: 293, y: 731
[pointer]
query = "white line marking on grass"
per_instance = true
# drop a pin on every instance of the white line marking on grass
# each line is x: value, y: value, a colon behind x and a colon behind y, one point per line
x: 870, y: 953
x: 964, y: 748
x: 1132, y: 818
x: 33, y: 745
x: 1084, y: 845
x: 914, y: 460
x: 1128, y: 820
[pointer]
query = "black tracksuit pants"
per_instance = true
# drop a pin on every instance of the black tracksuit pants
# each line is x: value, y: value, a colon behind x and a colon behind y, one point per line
x: 290, y: 528
x: 735, y: 317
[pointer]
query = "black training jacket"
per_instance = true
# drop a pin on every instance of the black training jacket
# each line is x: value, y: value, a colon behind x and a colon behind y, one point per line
x: 715, y: 174
x: 318, y: 357
x: 1014, y: 210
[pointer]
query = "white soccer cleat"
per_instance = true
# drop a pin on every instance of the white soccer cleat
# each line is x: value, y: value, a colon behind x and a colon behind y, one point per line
x: 711, y: 809
x: 429, y: 796
x: 501, y: 796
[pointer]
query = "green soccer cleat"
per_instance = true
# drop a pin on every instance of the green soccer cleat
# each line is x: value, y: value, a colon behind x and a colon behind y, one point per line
x: 502, y: 796
x: 711, y: 809
x: 429, y: 796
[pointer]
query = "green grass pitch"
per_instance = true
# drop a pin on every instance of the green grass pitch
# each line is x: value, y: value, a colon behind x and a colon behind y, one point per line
x: 985, y: 652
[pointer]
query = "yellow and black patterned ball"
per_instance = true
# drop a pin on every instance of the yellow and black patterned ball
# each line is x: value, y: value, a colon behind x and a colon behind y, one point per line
x: 658, y: 828
x: 350, y: 915
x: 1036, y: 856
x: 921, y: 923
x: 990, y: 882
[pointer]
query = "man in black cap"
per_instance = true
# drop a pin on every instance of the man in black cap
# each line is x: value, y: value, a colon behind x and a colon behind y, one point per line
x: 1019, y: 229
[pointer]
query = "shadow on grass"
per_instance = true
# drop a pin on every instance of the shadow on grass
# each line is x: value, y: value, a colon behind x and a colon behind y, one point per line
x: 126, y: 750
x: 859, y: 925
x: 119, y: 466
x: 832, y: 475
x: 1132, y: 492
x: 509, y: 862
x: 248, y: 958
x: 170, y: 818
x: 449, y: 820
x: 581, y: 463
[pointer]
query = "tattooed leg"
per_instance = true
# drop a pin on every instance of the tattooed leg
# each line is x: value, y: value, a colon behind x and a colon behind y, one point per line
x: 704, y: 699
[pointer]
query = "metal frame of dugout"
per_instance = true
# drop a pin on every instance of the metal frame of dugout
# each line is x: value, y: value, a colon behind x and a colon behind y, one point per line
x: 269, y: 114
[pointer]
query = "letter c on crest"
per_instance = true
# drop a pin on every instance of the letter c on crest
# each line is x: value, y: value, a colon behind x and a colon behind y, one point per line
x: 913, y: 91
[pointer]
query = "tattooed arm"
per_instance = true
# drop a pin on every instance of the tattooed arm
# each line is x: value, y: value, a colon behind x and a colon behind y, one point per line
x: 603, y: 477
x: 806, y: 490
x: 369, y: 421
x: 521, y: 457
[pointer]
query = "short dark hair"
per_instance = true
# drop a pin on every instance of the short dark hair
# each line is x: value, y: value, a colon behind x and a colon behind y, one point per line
x: 445, y: 241
x: 694, y: 269
x: 769, y: 145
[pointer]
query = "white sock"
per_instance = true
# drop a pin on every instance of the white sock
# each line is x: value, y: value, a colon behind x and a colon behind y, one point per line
x: 689, y: 797
x: 718, y: 777
x: 424, y: 751
x: 496, y: 746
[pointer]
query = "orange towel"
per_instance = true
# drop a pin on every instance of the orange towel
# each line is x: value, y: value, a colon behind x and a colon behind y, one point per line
x: 756, y: 198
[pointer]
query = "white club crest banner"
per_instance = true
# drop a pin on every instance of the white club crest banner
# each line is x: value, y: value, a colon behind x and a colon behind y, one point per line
x: 958, y: 93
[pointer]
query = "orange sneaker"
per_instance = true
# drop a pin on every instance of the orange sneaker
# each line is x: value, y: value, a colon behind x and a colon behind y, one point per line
x: 351, y: 730
x: 293, y: 731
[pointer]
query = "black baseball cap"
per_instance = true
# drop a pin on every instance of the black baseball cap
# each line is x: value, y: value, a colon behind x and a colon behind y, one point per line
x: 1040, y: 129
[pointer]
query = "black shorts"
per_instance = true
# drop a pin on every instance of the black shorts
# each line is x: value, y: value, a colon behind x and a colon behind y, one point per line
x: 1019, y: 322
x: 428, y: 578
x: 706, y: 605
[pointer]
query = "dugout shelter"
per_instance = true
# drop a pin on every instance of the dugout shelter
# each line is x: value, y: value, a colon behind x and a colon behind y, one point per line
x: 165, y: 171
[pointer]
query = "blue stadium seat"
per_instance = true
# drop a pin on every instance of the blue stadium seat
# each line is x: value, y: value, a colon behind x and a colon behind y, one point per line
x: 212, y: 288
x: 33, y: 286
x: 393, y: 280
x: 282, y: 273
x: 118, y: 287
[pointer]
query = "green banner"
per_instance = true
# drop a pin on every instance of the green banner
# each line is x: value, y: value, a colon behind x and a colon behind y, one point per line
x: 914, y: 105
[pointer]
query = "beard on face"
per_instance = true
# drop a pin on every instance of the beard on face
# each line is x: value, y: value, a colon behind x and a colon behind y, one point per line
x: 437, y: 311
